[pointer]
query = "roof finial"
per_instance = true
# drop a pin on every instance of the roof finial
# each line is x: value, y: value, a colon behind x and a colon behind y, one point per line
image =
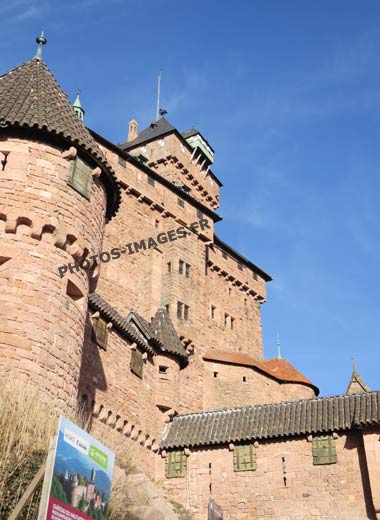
x: 41, y: 40
x: 278, y: 347
x: 78, y: 107
x: 353, y: 364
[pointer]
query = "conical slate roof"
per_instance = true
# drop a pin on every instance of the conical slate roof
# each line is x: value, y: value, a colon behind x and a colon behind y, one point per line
x: 30, y: 97
x: 166, y: 334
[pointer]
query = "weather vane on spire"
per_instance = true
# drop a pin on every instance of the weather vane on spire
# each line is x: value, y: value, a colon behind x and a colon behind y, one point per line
x: 160, y: 111
x: 41, y: 40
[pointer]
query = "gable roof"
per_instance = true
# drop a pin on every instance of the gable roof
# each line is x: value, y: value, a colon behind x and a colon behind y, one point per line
x: 160, y: 333
x: 166, y: 334
x: 154, y: 130
x: 31, y: 98
x: 279, y: 369
x: 327, y: 414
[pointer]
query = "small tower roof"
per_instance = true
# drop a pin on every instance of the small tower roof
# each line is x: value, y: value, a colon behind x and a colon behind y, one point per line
x: 77, y: 106
x: 31, y: 99
x: 356, y: 384
x: 165, y: 332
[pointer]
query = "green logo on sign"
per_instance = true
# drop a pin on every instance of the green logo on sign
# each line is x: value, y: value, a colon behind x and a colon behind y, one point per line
x: 98, y: 456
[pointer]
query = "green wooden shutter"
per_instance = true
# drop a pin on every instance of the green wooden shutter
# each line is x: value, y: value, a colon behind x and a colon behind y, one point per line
x: 137, y: 363
x: 100, y: 332
x: 324, y: 450
x: 245, y: 458
x: 175, y: 464
x: 80, y: 177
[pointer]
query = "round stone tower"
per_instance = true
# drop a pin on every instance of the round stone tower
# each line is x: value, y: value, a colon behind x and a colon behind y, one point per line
x: 56, y: 193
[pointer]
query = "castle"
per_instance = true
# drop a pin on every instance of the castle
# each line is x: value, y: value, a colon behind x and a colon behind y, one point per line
x: 161, y: 345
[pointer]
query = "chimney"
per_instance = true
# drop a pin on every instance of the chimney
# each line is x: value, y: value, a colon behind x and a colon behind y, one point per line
x: 132, y: 130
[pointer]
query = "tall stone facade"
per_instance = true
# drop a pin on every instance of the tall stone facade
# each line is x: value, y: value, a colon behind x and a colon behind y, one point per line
x: 117, y: 295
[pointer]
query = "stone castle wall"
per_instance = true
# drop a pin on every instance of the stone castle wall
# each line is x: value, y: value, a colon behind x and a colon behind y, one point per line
x: 44, y: 224
x: 335, y: 491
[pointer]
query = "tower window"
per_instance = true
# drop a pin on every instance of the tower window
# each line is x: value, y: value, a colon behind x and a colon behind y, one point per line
x: 150, y: 180
x: 180, y: 266
x: 80, y: 177
x: 179, y: 310
x: 213, y: 309
x: 99, y: 332
x: 232, y: 321
x: 187, y: 271
x: 162, y: 370
x: 225, y: 319
x: 224, y: 255
x: 186, y: 312
x: 254, y: 275
x: 169, y: 264
x: 167, y: 308
x: 240, y: 267
x: 215, y: 375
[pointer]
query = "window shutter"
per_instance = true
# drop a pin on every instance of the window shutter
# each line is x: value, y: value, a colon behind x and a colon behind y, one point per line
x: 245, y: 458
x: 324, y: 450
x: 100, y: 332
x: 80, y: 177
x: 137, y: 363
x: 175, y: 464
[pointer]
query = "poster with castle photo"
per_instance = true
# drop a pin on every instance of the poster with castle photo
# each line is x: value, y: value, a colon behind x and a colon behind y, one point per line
x: 82, y: 476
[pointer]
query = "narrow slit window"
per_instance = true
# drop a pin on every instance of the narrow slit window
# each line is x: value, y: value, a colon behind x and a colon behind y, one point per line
x: 186, y: 312
x: 212, y: 312
x: 187, y: 270
x: 179, y: 310
x: 180, y: 266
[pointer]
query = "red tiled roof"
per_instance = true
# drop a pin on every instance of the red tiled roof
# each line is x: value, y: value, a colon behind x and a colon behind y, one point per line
x: 279, y: 369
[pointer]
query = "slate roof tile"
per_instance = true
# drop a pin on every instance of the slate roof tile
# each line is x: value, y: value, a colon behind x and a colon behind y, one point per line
x: 274, y: 420
x: 30, y: 97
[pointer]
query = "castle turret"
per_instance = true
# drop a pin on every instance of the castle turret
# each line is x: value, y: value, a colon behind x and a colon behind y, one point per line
x: 56, y: 192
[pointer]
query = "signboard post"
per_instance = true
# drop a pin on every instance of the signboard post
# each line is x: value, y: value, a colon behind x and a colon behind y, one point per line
x: 77, y: 485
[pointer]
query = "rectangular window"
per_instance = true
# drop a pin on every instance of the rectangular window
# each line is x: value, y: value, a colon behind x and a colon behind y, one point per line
x: 240, y: 267
x: 181, y: 202
x: 187, y: 271
x: 254, y: 275
x: 167, y: 308
x: 179, y: 310
x: 122, y: 161
x: 186, y: 312
x: 213, y: 309
x: 324, y: 450
x: 225, y: 319
x: 137, y: 362
x: 175, y: 464
x: 80, y: 177
x: 180, y: 266
x: 162, y: 370
x: 224, y: 255
x: 245, y: 458
x: 169, y: 264
x: 151, y: 181
x: 232, y: 323
x: 99, y: 332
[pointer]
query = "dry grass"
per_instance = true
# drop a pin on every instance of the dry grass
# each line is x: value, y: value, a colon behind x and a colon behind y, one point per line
x: 26, y: 427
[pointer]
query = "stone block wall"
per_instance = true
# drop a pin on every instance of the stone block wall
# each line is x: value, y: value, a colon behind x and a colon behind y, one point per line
x: 285, y: 486
x: 44, y: 224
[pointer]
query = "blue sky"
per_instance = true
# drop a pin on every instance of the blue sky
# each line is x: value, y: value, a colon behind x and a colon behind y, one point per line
x: 288, y: 94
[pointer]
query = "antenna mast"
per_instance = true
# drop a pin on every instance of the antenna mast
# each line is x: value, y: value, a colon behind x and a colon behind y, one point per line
x: 158, y: 96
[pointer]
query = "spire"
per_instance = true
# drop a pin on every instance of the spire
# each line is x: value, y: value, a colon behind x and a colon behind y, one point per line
x: 78, y: 107
x: 278, y: 347
x: 41, y: 40
x: 356, y: 384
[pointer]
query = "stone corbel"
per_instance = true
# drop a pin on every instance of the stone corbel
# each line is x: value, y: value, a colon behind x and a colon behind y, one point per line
x: 145, y: 356
x: 69, y: 154
x: 109, y: 325
x: 95, y: 315
x: 187, y: 452
x: 231, y: 446
x: 133, y: 346
x: 96, y: 172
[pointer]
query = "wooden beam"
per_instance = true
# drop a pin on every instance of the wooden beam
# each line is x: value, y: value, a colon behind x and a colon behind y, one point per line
x: 28, y: 493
